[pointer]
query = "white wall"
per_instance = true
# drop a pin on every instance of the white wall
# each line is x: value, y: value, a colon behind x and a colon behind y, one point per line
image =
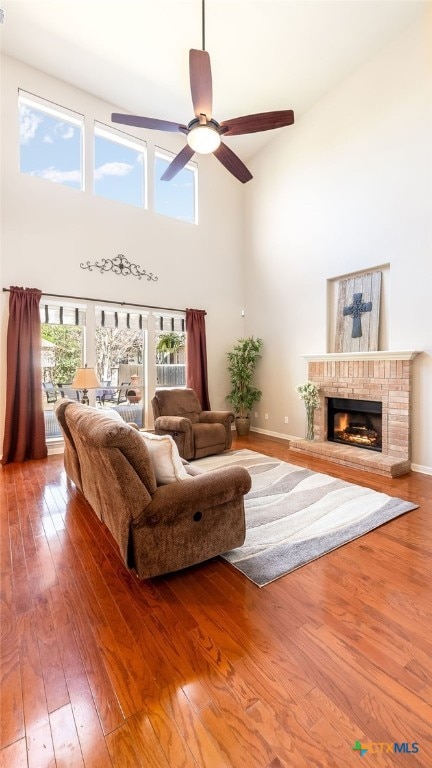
x: 347, y: 188
x: 49, y: 229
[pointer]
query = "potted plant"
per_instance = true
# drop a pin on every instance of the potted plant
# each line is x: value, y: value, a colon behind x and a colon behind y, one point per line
x: 242, y: 362
x: 309, y: 393
x: 169, y: 343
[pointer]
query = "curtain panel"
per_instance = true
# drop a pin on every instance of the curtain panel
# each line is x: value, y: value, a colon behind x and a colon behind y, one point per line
x: 196, y: 355
x: 24, y: 433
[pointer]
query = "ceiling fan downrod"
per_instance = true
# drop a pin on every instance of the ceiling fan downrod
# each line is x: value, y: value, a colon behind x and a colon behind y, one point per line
x: 203, y: 23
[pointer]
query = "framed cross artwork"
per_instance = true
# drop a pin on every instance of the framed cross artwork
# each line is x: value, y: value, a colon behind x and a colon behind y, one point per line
x: 358, y: 308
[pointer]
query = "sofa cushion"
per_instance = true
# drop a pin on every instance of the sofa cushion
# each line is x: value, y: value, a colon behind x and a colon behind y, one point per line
x: 165, y: 458
x: 207, y: 435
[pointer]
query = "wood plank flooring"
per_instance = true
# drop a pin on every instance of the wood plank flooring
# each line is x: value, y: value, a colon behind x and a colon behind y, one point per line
x: 201, y: 669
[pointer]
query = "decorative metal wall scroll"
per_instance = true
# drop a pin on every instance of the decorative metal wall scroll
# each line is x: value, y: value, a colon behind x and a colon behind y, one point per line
x: 120, y: 265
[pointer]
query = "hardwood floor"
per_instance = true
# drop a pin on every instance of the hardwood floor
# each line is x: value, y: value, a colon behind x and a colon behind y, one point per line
x: 202, y: 669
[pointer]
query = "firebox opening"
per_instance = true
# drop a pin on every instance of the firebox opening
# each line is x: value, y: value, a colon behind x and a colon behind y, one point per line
x: 355, y: 422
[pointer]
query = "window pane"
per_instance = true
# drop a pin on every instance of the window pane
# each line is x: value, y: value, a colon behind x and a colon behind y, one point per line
x: 119, y: 172
x: 50, y: 141
x: 119, y: 365
x: 61, y: 354
x: 170, y: 340
x: 175, y: 198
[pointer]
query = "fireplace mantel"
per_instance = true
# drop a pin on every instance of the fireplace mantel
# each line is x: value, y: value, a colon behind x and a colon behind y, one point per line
x: 380, y: 355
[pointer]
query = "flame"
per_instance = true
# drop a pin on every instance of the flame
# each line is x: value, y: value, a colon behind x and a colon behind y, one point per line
x: 341, y: 421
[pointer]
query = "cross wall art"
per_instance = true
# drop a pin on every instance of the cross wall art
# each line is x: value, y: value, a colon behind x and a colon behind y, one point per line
x: 357, y: 321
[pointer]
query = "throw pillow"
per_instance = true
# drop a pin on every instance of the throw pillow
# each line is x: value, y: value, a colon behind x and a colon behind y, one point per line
x: 165, y: 458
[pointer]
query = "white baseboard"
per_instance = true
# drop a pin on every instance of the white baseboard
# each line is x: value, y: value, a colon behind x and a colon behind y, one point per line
x: 55, y: 446
x: 273, y: 434
x: 422, y: 469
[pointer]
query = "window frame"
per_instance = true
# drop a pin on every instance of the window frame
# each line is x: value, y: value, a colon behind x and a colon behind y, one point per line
x: 117, y: 136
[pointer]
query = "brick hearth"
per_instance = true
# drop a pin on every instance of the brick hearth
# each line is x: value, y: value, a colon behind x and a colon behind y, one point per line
x: 374, y: 376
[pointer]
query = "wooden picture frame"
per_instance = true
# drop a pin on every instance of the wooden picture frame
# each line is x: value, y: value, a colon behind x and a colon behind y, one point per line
x: 358, y: 309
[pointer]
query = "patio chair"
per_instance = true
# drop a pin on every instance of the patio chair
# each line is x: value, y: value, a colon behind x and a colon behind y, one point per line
x: 69, y: 393
x: 122, y: 391
x: 50, y: 391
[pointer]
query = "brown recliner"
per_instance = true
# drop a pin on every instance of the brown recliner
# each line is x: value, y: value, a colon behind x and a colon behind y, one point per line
x: 197, y: 433
x: 158, y: 528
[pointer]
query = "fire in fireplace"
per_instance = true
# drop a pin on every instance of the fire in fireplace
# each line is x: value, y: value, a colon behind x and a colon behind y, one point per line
x: 355, y: 422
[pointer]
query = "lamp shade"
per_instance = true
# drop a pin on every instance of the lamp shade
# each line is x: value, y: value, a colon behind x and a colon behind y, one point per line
x: 85, y: 378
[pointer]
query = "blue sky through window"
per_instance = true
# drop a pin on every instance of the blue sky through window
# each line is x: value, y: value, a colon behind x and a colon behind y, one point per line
x: 175, y: 198
x: 50, y: 143
x: 119, y: 167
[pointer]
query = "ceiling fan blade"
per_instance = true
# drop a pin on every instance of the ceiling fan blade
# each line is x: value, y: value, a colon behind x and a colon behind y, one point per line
x: 178, y: 163
x: 232, y: 163
x: 148, y: 122
x: 201, y: 82
x: 263, y: 121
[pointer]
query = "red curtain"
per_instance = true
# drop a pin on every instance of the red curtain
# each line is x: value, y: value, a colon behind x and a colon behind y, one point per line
x: 24, y: 434
x: 196, y: 355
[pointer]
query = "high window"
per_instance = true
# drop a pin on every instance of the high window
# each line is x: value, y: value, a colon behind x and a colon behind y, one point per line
x: 51, y: 141
x: 119, y: 166
x: 52, y: 147
x: 176, y: 198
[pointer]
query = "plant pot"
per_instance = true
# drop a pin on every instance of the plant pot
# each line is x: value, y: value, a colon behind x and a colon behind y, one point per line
x: 242, y: 425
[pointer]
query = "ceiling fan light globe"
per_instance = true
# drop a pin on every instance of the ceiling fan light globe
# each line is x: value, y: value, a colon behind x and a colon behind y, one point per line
x: 204, y: 139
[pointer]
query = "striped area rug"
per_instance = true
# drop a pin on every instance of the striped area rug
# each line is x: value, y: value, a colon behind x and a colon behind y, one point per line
x: 295, y: 515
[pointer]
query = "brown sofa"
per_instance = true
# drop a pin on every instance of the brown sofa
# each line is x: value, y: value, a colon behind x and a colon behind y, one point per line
x: 197, y: 433
x: 158, y: 529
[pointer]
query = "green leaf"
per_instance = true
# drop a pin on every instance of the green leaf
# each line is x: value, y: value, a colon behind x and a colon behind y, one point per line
x: 242, y: 361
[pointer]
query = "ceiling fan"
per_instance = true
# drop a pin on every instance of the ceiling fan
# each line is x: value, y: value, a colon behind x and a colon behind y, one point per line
x: 203, y: 133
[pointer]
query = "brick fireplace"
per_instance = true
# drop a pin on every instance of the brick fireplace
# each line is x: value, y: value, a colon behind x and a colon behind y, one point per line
x: 378, y: 377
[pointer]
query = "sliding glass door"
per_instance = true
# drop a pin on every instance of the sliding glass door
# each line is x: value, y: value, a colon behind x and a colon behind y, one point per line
x: 133, y: 352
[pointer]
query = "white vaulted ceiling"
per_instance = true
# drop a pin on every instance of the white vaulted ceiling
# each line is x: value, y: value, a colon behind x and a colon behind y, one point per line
x: 265, y: 54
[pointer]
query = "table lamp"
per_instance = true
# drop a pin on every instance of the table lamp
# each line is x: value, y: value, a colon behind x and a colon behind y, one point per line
x: 85, y: 379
